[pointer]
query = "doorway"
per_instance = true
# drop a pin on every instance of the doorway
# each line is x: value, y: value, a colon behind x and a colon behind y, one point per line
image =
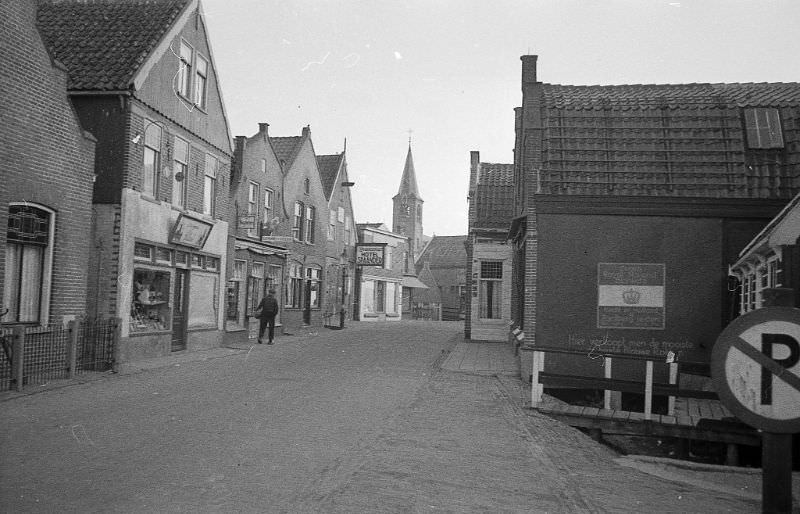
x: 179, y: 310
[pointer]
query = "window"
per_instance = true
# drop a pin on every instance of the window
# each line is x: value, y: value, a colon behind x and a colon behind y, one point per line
x: 380, y: 296
x: 210, y: 186
x: 314, y: 276
x: 309, y: 222
x: 387, y: 257
x: 28, y: 263
x: 763, y: 126
x: 340, y: 214
x: 391, y: 297
x: 307, y: 186
x: 203, y: 311
x: 255, y: 287
x: 252, y: 207
x: 297, y: 227
x: 233, y: 290
x: 331, y: 225
x: 368, y: 296
x: 347, y: 231
x: 294, y: 286
x: 490, y: 289
x: 201, y: 82
x: 269, y: 223
x: 179, y: 173
x: 185, y: 70
x: 263, y: 165
x: 150, y: 306
x: 152, y: 159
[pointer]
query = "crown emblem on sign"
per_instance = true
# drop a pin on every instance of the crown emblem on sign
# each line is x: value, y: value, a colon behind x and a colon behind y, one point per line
x: 631, y: 296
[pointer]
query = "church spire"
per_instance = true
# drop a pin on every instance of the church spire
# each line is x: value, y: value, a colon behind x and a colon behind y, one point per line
x: 408, y: 184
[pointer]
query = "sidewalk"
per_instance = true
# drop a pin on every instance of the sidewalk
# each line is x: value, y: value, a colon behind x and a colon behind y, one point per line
x: 498, y: 359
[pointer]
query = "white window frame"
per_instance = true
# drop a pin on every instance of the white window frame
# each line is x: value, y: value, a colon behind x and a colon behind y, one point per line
x: 210, y: 185
x: 309, y: 221
x: 253, y: 197
x: 180, y: 166
x: 268, y: 203
x: 483, y: 288
x: 201, y: 82
x: 297, y: 221
x: 331, y: 225
x: 46, y: 270
x: 185, y: 70
x: 151, y: 147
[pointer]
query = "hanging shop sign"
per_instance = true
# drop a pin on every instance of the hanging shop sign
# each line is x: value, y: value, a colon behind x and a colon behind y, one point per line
x: 370, y: 254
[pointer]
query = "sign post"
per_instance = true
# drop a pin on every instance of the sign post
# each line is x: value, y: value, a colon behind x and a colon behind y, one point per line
x: 755, y: 366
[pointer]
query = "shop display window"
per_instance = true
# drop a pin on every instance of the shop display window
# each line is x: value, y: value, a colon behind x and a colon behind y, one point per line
x: 203, y: 300
x: 150, y: 306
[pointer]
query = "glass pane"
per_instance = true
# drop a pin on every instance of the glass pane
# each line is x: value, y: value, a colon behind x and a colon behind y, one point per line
x: 150, y: 305
x: 203, y: 300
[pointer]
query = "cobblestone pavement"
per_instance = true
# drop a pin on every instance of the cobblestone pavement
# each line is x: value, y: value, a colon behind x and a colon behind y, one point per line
x: 359, y: 420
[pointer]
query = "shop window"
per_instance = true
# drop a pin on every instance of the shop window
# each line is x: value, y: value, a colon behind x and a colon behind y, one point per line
x: 180, y: 172
x: 203, y: 300
x: 368, y: 296
x: 163, y: 256
x: 491, y: 289
x: 380, y: 296
x: 28, y: 263
x: 150, y: 307
x: 294, y: 286
x: 212, y: 263
x: 198, y: 261
x: 763, y: 127
x: 143, y: 252
x: 255, y: 287
x: 314, y: 276
x: 181, y: 259
x: 233, y: 290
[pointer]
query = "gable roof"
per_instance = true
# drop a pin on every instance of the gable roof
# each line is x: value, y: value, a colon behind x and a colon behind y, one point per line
x: 444, y: 252
x: 671, y: 95
x: 328, y: 171
x: 286, y: 149
x: 494, y: 196
x: 432, y: 294
x: 104, y: 43
x: 408, y: 184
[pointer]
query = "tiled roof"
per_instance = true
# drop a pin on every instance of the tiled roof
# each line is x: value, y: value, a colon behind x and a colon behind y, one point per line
x: 445, y: 252
x: 328, y: 170
x: 285, y: 148
x: 494, y: 196
x: 102, y: 42
x: 430, y: 295
x: 659, y: 95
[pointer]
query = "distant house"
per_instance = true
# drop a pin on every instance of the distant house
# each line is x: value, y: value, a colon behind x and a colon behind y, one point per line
x: 446, y: 259
x: 303, y: 209
x: 143, y: 81
x: 632, y: 200
x: 258, y: 262
x: 488, y: 252
x: 340, y: 238
x: 47, y: 169
x: 382, y: 260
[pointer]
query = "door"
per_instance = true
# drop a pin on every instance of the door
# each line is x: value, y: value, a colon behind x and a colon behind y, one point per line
x: 179, y: 310
x: 307, y: 304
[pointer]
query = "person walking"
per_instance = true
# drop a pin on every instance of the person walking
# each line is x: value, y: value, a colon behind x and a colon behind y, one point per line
x: 265, y: 312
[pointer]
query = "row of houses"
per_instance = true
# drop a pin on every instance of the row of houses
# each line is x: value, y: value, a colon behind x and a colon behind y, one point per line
x: 633, y: 217
x: 124, y: 194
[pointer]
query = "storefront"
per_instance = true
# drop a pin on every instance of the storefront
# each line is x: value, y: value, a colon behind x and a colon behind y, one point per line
x: 381, y: 298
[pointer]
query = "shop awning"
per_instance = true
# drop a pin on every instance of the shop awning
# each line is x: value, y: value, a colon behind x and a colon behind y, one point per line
x: 411, y: 281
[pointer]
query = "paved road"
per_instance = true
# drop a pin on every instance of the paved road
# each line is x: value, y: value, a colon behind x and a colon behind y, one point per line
x: 360, y: 420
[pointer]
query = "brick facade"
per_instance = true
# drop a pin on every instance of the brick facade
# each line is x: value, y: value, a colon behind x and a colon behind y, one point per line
x: 46, y: 159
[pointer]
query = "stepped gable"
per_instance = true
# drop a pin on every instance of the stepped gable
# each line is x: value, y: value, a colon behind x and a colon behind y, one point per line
x: 103, y: 43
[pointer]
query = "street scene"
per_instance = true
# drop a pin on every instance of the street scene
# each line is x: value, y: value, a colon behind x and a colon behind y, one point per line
x: 304, y: 256
x: 389, y: 419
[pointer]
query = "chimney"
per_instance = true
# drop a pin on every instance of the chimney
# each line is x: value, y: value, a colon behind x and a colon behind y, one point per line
x: 307, y: 131
x: 528, y: 69
x: 263, y: 127
x: 474, y: 164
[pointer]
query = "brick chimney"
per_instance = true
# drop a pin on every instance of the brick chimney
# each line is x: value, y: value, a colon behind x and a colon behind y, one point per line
x: 528, y: 69
x: 307, y: 131
x: 474, y: 163
x: 263, y: 128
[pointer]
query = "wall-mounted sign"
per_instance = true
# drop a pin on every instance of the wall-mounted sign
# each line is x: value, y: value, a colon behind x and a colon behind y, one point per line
x: 189, y: 231
x: 370, y: 254
x: 247, y: 221
x: 630, y: 295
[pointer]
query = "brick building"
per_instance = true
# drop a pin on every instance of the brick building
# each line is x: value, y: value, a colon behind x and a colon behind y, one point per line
x: 341, y: 238
x: 489, y: 254
x: 632, y: 200
x: 258, y: 261
x: 303, y: 212
x: 47, y: 165
x: 143, y: 81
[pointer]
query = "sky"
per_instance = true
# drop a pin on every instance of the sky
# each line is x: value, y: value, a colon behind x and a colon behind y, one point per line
x: 447, y: 74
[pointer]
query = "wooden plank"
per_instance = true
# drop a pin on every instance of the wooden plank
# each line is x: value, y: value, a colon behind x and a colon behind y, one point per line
x: 621, y: 414
x: 684, y: 420
x: 605, y: 413
x: 668, y: 420
x: 648, y: 390
x: 590, y: 411
x: 637, y: 416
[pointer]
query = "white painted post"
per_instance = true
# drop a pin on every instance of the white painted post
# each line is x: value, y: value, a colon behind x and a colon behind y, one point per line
x: 673, y: 379
x: 607, y: 374
x: 536, y: 388
x: 648, y: 391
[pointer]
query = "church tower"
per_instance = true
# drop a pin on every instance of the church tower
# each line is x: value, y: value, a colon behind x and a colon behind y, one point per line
x: 407, y: 208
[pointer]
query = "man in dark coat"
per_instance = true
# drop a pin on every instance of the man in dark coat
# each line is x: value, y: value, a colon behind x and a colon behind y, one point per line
x: 266, y: 312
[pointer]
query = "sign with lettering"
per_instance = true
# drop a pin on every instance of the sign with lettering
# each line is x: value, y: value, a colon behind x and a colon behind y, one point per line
x: 630, y: 295
x: 247, y: 221
x: 755, y: 365
x: 370, y: 254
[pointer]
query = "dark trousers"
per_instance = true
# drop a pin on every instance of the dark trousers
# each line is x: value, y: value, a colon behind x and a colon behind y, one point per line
x: 263, y: 323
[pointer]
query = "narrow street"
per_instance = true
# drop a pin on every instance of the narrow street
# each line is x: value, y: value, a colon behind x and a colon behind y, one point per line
x: 359, y: 420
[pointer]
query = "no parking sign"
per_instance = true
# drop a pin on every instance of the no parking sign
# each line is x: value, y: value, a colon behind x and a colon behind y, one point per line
x: 755, y: 366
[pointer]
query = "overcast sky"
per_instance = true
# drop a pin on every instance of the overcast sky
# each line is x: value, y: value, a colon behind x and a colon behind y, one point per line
x: 370, y: 71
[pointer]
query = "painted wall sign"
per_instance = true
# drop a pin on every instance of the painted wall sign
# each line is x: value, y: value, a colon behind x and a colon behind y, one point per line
x: 755, y: 365
x: 370, y: 254
x: 630, y: 295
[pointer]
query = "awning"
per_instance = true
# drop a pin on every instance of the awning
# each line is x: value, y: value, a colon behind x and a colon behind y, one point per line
x: 411, y: 281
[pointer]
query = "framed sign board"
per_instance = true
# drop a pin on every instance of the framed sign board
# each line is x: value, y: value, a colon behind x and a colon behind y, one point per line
x: 630, y: 295
x: 189, y: 231
x: 370, y: 254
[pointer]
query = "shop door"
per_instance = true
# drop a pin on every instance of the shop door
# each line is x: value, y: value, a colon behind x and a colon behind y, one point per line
x: 179, y: 311
x: 307, y: 304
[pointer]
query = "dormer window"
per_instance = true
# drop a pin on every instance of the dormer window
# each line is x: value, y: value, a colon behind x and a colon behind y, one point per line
x: 763, y: 126
x: 185, y: 71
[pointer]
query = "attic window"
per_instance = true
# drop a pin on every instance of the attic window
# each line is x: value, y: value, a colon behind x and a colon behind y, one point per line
x: 307, y: 186
x: 763, y: 126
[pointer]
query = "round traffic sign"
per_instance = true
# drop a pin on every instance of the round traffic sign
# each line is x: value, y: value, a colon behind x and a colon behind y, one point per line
x: 755, y: 366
